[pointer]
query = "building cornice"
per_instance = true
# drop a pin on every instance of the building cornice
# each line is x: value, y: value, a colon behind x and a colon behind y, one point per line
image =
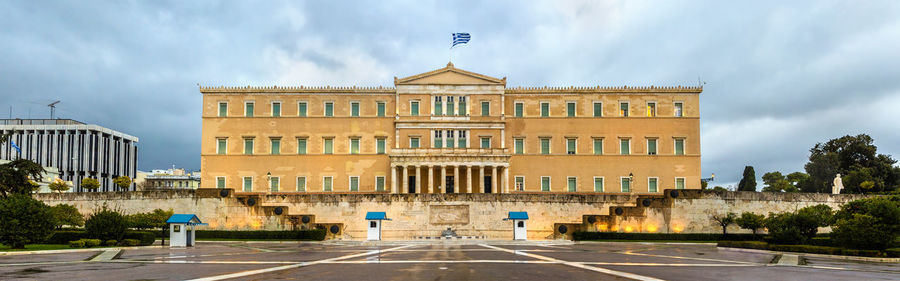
x: 296, y: 89
x: 605, y: 89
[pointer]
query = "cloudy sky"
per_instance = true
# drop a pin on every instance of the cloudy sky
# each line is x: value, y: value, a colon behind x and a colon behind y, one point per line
x: 781, y: 75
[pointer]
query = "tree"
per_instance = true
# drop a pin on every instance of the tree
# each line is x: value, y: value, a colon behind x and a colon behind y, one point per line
x: 703, y: 185
x: 122, y: 182
x: 750, y: 221
x: 719, y: 188
x: 798, y: 227
x: 748, y: 182
x: 856, y: 158
x: 58, y: 185
x: 16, y: 177
x: 724, y: 221
x: 871, y: 223
x: 66, y: 214
x: 90, y: 184
x: 106, y: 224
x: 24, y: 220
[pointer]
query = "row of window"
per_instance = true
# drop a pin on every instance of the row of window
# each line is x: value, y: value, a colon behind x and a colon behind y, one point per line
x: 454, y: 139
x: 445, y: 106
x: 625, y: 184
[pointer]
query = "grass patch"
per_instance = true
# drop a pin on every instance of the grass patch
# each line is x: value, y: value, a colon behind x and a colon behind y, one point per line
x: 35, y: 247
x: 248, y: 239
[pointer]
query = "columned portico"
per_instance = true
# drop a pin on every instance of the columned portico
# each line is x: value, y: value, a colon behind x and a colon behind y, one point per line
x: 450, y: 158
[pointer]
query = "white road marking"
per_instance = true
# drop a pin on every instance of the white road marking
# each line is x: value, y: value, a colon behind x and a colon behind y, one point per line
x: 297, y: 265
x: 685, y: 258
x: 668, y: 264
x: 106, y: 255
x: 578, y: 265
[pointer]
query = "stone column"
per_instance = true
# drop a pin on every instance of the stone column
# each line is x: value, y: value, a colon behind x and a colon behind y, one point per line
x: 456, y: 185
x: 430, y: 178
x: 405, y: 179
x: 418, y: 179
x: 505, y: 179
x: 481, y: 180
x: 443, y: 180
x: 393, y: 179
x: 494, y: 187
x: 469, y: 179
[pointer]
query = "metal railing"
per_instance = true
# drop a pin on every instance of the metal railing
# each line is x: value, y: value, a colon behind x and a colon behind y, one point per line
x: 39, y: 122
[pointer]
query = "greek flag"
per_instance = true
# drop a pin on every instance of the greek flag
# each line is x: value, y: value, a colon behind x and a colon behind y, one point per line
x: 14, y: 145
x: 460, y: 38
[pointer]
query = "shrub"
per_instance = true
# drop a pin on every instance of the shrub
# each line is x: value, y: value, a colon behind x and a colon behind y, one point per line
x: 312, y: 234
x: 893, y: 252
x: 63, y: 237
x: 58, y: 185
x: 24, y: 220
x: 144, y: 238
x: 111, y: 242
x: 131, y: 242
x: 89, y: 243
x: 151, y: 220
x: 750, y: 221
x: 807, y: 249
x: 106, y: 224
x: 67, y: 215
x: 659, y: 236
x: 799, y: 227
x: 90, y: 184
x: 76, y: 244
x: 871, y: 223
x: 123, y: 182
x: 724, y: 220
x: 744, y: 244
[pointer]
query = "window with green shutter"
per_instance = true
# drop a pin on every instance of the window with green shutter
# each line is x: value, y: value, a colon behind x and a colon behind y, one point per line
x: 461, y: 139
x: 651, y: 146
x: 223, y: 109
x: 598, y: 109
x: 570, y: 109
x: 651, y: 185
x: 623, y: 109
x: 413, y: 142
x: 438, y: 106
x: 301, y: 146
x: 329, y: 109
x: 679, y: 183
x: 520, y: 183
x: 679, y: 147
x: 414, y: 108
x: 248, y: 184
x: 301, y: 183
x: 329, y: 146
x: 598, y: 146
x: 354, y: 146
x: 545, y: 146
x: 354, y: 183
x: 625, y: 146
x: 520, y: 109
x: 354, y: 109
x: 248, y: 109
x: 276, y: 109
x: 221, y: 145
x: 679, y: 109
x: 545, y: 183
x: 301, y: 109
x: 520, y: 146
x: 626, y: 185
x: 450, y: 110
x: 326, y: 184
x: 450, y: 139
x: 379, y: 183
x: 485, y: 108
x: 380, y: 106
x: 570, y: 146
x: 220, y: 182
x: 571, y: 183
x: 248, y: 146
x: 598, y: 184
x: 276, y: 146
x: 462, y: 106
x: 379, y: 146
x: 274, y: 184
x: 485, y: 142
x: 438, y: 139
x: 545, y: 109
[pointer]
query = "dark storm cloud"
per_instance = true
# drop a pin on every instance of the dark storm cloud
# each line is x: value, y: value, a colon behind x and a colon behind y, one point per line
x: 780, y: 76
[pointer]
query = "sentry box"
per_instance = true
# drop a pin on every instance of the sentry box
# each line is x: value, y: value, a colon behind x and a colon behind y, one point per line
x: 375, y: 219
x: 520, y: 231
x: 181, y: 229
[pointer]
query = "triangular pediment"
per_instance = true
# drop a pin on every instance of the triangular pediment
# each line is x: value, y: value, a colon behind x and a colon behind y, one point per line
x: 449, y: 75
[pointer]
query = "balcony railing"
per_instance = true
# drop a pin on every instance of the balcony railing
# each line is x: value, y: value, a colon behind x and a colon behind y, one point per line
x: 449, y: 151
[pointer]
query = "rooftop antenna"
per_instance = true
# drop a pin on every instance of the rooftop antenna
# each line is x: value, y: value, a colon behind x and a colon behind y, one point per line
x: 52, y: 108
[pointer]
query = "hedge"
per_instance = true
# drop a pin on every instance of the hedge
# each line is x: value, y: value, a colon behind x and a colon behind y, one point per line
x: 146, y: 238
x: 662, y: 236
x: 313, y: 234
x: 809, y: 249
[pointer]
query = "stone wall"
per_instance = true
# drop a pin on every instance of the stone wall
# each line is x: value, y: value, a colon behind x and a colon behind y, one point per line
x: 416, y: 215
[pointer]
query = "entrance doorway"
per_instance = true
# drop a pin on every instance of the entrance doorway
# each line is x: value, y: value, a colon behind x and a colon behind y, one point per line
x: 449, y: 185
x: 412, y: 184
x: 487, y: 184
x: 520, y: 233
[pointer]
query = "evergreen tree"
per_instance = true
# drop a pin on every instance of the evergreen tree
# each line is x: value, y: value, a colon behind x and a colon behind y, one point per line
x: 748, y: 183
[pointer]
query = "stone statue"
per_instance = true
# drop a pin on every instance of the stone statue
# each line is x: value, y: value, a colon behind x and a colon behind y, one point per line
x: 838, y: 185
x: 448, y: 233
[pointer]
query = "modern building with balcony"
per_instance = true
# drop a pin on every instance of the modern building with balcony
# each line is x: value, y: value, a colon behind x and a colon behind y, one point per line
x: 75, y: 149
x: 451, y: 131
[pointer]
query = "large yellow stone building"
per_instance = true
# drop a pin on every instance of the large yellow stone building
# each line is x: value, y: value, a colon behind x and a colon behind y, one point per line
x: 451, y: 131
